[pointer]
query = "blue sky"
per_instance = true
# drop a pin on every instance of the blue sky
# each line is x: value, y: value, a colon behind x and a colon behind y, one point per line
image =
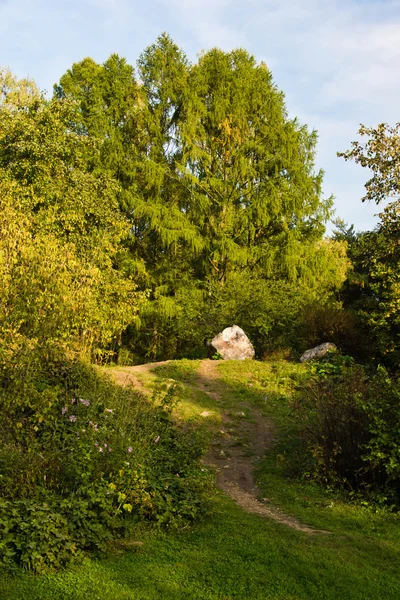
x: 337, y: 61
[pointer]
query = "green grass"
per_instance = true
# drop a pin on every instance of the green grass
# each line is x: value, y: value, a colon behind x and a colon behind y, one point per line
x: 234, y: 555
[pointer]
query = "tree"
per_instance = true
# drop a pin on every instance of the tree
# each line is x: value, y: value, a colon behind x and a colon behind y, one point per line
x: 16, y: 94
x: 381, y: 154
x: 213, y: 175
x: 60, y: 233
x: 374, y: 287
x: 344, y: 232
x: 248, y: 168
x: 136, y: 125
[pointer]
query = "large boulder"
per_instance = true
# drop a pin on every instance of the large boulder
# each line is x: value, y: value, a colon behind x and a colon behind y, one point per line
x: 233, y: 344
x: 318, y: 352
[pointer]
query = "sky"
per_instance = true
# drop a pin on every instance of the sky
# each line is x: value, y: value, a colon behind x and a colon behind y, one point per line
x: 337, y: 61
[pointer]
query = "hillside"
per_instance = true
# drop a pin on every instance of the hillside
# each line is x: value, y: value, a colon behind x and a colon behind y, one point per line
x: 267, y: 535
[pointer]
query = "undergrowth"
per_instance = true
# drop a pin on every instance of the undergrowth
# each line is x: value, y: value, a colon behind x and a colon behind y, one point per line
x: 81, y: 459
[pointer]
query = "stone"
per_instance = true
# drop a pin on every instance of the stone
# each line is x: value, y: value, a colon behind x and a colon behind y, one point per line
x: 318, y: 352
x: 233, y: 344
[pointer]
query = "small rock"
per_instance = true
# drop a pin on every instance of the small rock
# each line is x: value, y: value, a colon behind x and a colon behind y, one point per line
x: 318, y: 352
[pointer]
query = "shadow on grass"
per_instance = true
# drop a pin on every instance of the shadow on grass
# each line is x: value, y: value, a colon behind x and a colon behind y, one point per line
x: 232, y: 555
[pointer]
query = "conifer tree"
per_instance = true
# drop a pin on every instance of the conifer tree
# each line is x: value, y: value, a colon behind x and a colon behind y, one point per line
x: 214, y: 176
x: 250, y: 170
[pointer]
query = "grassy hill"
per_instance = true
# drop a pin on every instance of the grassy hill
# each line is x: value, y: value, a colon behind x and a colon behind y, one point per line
x: 268, y: 534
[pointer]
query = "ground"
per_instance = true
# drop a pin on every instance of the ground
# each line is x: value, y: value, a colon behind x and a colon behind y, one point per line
x: 268, y: 536
x: 234, y: 446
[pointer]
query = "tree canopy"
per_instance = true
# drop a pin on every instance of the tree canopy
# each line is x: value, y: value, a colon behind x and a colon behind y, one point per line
x: 214, y: 177
x: 374, y: 287
x: 60, y: 231
x: 172, y: 179
x: 380, y: 154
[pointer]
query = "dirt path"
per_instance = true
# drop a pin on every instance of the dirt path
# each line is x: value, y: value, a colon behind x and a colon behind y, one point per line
x: 243, y: 438
x: 235, y: 450
x: 131, y: 375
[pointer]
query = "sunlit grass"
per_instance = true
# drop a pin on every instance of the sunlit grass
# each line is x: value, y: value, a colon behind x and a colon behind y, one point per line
x: 232, y: 554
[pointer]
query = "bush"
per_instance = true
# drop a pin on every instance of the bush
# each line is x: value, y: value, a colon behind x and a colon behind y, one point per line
x: 34, y: 536
x: 331, y: 323
x: 350, y: 422
x: 81, y: 458
x: 267, y: 310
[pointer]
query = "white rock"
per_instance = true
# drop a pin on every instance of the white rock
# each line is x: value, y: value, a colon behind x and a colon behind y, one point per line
x: 233, y: 344
x: 318, y: 352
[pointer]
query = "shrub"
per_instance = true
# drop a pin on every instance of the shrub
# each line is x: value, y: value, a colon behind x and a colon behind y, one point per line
x: 331, y: 323
x: 34, y: 536
x: 88, y: 457
x: 350, y: 421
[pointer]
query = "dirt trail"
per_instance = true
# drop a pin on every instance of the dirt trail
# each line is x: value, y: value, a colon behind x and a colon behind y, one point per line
x: 129, y: 375
x: 235, y: 450
x: 239, y: 442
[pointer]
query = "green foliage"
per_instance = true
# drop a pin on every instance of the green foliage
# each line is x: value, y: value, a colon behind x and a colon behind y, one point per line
x: 379, y: 305
x: 34, y: 536
x: 59, y: 236
x: 380, y: 154
x: 373, y: 288
x: 318, y: 323
x: 215, y: 179
x: 274, y: 313
x: 350, y: 419
x: 249, y: 168
x: 16, y: 94
x: 87, y: 457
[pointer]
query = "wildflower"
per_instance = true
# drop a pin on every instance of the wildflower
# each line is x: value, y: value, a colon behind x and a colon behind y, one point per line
x: 72, y: 418
x: 96, y: 427
x: 91, y: 423
x: 100, y: 449
x: 157, y: 439
x: 105, y: 445
x: 109, y: 449
x: 73, y: 401
x: 96, y: 444
x: 83, y: 430
x: 108, y: 410
x: 130, y: 449
x: 84, y: 402
x: 64, y: 410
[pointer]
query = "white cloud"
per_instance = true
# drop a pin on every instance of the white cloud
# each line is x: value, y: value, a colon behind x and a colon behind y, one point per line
x: 207, y: 21
x: 338, y: 61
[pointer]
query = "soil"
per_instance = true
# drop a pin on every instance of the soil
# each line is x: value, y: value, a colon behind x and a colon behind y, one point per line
x: 238, y: 444
x: 131, y: 375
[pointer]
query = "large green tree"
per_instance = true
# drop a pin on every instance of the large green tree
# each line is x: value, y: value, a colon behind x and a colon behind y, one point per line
x: 214, y: 176
x: 60, y: 232
x: 374, y: 285
x: 249, y: 168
